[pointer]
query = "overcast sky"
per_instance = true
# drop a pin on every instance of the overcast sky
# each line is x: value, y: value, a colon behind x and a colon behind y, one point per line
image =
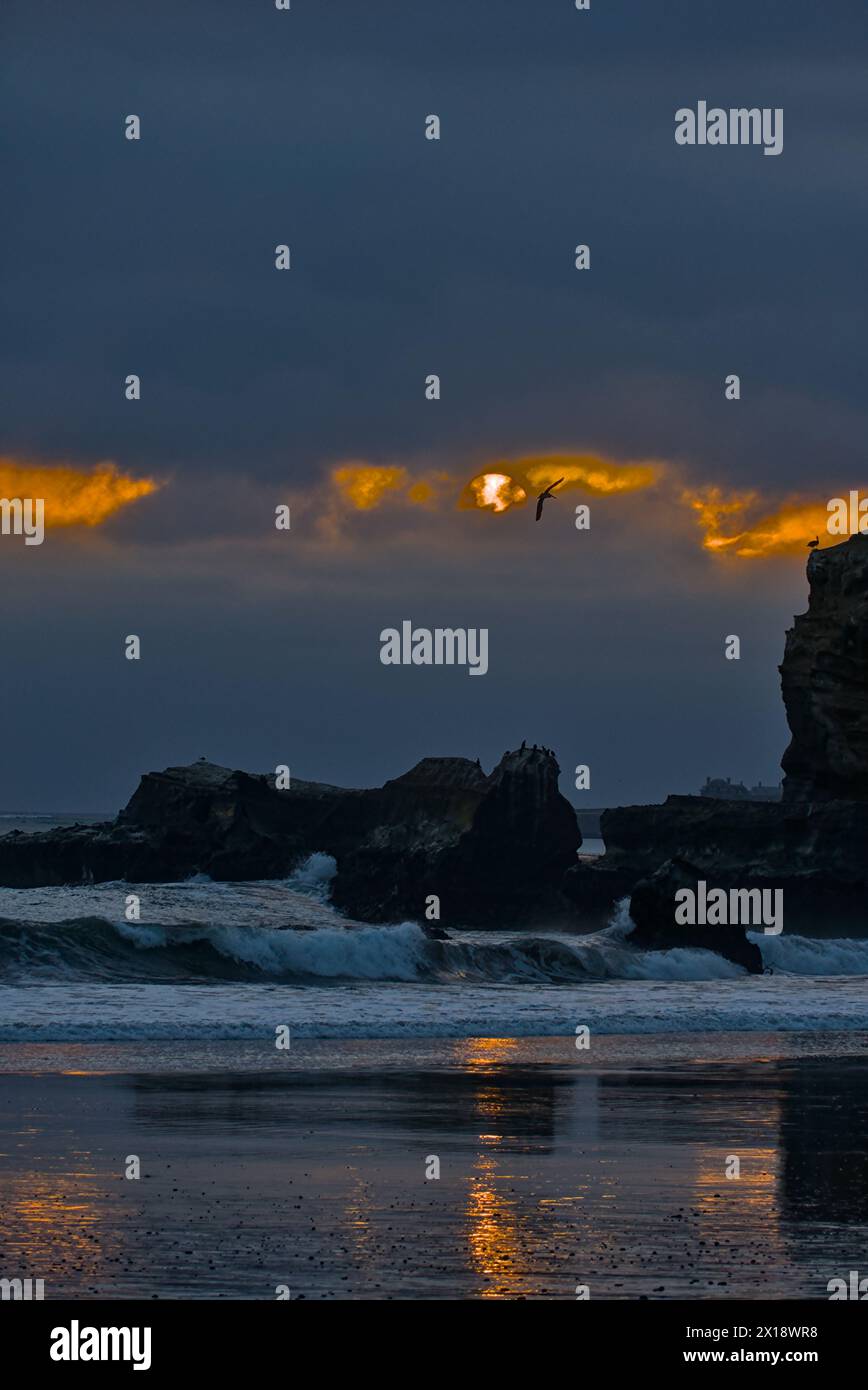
x: 411, y: 257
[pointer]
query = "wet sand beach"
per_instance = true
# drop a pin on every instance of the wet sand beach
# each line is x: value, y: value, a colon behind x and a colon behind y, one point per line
x: 554, y: 1170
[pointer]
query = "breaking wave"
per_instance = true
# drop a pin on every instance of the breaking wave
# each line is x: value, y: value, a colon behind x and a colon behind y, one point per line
x: 93, y: 948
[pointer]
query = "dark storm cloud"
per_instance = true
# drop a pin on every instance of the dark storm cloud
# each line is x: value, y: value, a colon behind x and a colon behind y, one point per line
x: 411, y: 257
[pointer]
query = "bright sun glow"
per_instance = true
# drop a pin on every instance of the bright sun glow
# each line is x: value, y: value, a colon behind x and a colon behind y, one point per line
x: 495, y: 490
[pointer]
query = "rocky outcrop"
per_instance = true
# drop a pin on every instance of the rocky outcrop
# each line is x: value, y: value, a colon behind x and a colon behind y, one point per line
x: 813, y: 845
x: 493, y: 848
x: 658, y: 930
x: 824, y: 680
x: 227, y: 824
x: 182, y: 821
x: 815, y: 853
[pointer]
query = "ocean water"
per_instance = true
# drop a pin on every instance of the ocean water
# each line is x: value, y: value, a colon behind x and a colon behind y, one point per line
x: 31, y: 822
x: 215, y: 962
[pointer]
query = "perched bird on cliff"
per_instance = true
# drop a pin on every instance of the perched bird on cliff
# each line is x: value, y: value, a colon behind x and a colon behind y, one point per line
x: 812, y: 545
x: 543, y: 495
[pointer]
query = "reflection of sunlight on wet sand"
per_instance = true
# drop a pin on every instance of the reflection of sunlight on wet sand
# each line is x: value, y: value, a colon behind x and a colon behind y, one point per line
x: 488, y: 1102
x: 495, y: 1237
x: 357, y: 1212
x: 49, y: 1222
x: 498, y: 1238
x: 752, y: 1199
x: 512, y: 1227
x: 755, y: 1190
x: 481, y: 1052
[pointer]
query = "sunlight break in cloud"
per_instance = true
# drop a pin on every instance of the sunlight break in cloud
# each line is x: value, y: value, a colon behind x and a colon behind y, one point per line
x: 510, y: 482
x: 495, y: 491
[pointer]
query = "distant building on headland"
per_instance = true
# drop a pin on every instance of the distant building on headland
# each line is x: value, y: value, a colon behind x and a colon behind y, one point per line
x: 723, y: 789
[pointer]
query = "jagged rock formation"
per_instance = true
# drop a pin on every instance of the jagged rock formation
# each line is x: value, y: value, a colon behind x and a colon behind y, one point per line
x: 824, y: 680
x: 494, y: 848
x: 814, y: 844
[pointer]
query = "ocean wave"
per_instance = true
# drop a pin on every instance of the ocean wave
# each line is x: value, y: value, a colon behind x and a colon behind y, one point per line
x: 807, y: 955
x: 96, y: 949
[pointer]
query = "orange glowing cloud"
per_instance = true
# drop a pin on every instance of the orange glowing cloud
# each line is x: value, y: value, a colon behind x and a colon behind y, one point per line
x: 727, y: 528
x: 367, y: 485
x: 512, y: 480
x: 73, y: 496
x: 589, y: 472
x: 745, y: 523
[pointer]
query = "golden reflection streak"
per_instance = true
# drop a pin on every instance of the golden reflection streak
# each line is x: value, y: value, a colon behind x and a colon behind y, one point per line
x: 50, y: 1223
x: 755, y: 1191
x: 498, y: 1239
x: 495, y: 1237
x: 481, y: 1052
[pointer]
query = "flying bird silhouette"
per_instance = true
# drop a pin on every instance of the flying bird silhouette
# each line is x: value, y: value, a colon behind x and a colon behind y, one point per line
x: 543, y: 495
x: 812, y: 545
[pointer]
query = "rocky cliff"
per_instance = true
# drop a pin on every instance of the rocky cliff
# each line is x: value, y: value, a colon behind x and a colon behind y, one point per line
x: 814, y: 844
x: 824, y: 680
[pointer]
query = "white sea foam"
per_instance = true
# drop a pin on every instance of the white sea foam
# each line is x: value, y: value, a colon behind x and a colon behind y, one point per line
x: 804, y: 955
x: 315, y: 874
x: 233, y: 960
x: 119, y: 1012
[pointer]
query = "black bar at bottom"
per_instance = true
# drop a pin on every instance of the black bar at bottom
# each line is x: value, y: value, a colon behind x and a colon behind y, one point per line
x: 258, y: 1338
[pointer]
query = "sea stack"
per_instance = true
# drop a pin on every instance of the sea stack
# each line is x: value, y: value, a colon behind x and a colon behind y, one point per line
x: 813, y: 844
x: 824, y: 680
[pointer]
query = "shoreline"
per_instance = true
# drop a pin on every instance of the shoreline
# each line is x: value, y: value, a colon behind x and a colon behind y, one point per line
x: 607, y: 1051
x: 549, y: 1175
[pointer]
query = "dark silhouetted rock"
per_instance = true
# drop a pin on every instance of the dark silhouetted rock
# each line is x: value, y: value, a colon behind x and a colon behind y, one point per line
x: 824, y: 680
x: 494, y: 848
x: 652, y: 908
x: 814, y: 843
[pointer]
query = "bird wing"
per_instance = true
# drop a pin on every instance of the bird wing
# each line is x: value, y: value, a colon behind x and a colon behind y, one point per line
x: 539, y: 505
